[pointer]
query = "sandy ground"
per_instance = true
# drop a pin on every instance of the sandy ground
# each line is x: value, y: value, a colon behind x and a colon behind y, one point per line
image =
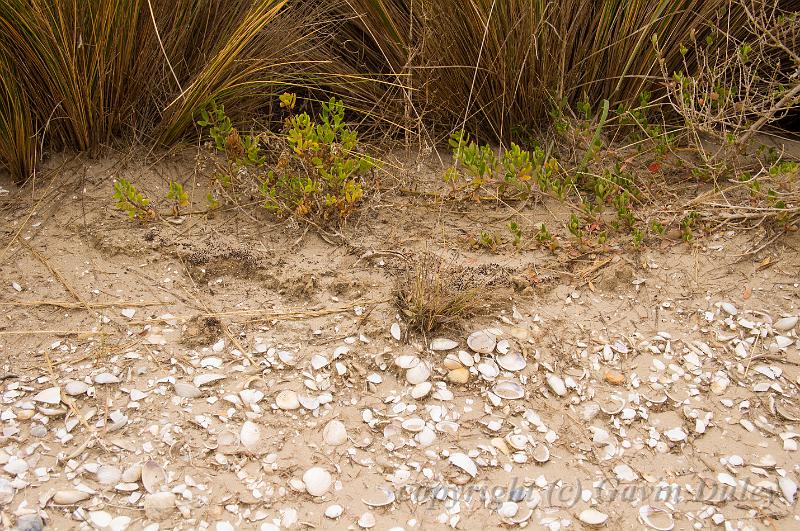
x: 215, y: 372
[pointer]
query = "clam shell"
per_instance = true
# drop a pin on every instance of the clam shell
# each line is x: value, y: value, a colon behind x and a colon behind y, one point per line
x: 541, y: 454
x: 464, y: 462
x: 592, y: 517
x: 517, y: 441
x: 108, y: 475
x: 289, y: 358
x: 503, y: 346
x: 458, y: 376
x: 612, y: 404
x: 382, y: 498
x: 317, y: 481
x: 556, y: 384
x: 785, y: 324
x: 309, y: 402
x: 202, y: 379
x: 466, y: 358
x: 186, y: 390
x: 488, y: 369
x: 395, y: 331
x: 418, y: 374
x: 334, y: 433
x: 287, y: 400
x: 70, y: 496
x: 656, y: 518
x: 153, y: 476
x: 508, y: 390
x: 250, y: 435
x: 75, y: 387
x: 513, y: 361
x: 50, y: 396
x: 413, y: 425
x: 334, y: 511
x: 366, y: 520
x: 788, y: 489
x: 452, y: 362
x: 482, y: 341
x: 442, y: 343
x: 406, y: 361
x: 421, y: 390
x: 227, y: 438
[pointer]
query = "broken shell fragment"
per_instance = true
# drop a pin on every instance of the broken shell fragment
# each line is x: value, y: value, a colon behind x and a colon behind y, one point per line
x: 395, y: 331
x: 464, y: 462
x: 592, y: 517
x: 482, y: 342
x: 382, y: 498
x: 656, y: 518
x: 556, y: 384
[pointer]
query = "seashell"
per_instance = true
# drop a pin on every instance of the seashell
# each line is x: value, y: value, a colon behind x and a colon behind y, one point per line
x: 458, y: 376
x: 382, y: 498
x: 488, y: 369
x: 517, y: 441
x: 465, y: 358
x: 105, y: 378
x: 503, y: 346
x: 406, y: 361
x: 308, y: 402
x: 447, y: 426
x: 108, y: 475
x: 785, y: 324
x: 593, y: 517
x: 612, y: 404
x: 614, y: 377
x: 464, y: 462
x: 421, y: 390
x: 418, y: 374
x: 512, y: 361
x: 334, y: 511
x: 656, y: 518
x: 159, y: 506
x: 366, y: 520
x: 250, y: 435
x: 186, y: 390
x: 541, y: 454
x: 728, y: 308
x: 101, y: 519
x: 395, y: 331
x: 452, y: 362
x: 556, y: 384
x: 482, y: 342
x: 787, y: 411
x: 766, y: 461
x: 153, y: 476
x: 414, y: 425
x: 227, y: 438
x: 508, y: 509
x: 783, y: 342
x: 442, y: 343
x: 287, y: 400
x: 75, y: 387
x: 317, y: 481
x: 656, y: 397
x: 70, y: 496
x: 50, y: 396
x: 289, y: 358
x: 251, y: 396
x: 508, y: 390
x: 788, y: 489
x: 334, y: 433
x: 676, y: 434
x: 318, y: 361
x: 132, y: 474
x: 425, y: 437
x: 203, y: 379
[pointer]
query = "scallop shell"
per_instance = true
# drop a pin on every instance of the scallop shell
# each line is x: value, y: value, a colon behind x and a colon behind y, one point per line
x: 464, y: 462
x: 508, y: 390
x: 334, y: 433
x: 250, y: 435
x: 482, y: 341
x: 513, y: 361
x: 317, y: 481
x: 442, y: 343
x: 656, y: 518
x: 153, y: 476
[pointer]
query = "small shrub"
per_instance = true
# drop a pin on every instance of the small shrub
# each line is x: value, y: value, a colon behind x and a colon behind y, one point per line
x: 132, y: 201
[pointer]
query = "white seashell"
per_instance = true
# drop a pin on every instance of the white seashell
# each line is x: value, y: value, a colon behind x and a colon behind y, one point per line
x: 425, y: 437
x: 785, y: 323
x: 452, y: 362
x: 251, y: 396
x: 541, y: 454
x: 382, y: 498
x: 783, y: 341
x: 766, y: 461
x: 132, y: 474
x: 442, y: 343
x: 414, y: 425
x: 488, y: 369
x: 508, y: 509
x: 788, y: 489
x: 49, y: 396
x: 250, y: 435
x: 464, y: 462
x: 366, y: 520
x: 421, y: 390
x: 128, y: 312
x: 656, y: 518
x: 517, y: 441
x: 287, y: 357
x: 308, y: 402
x: 728, y: 308
x: 227, y: 438
x: 625, y: 473
x: 153, y: 476
x: 503, y: 346
x: 512, y: 361
x: 418, y: 374
x: 395, y: 331
x: 202, y: 379
x: 211, y: 362
x: 334, y: 511
x: 108, y: 475
x: 508, y: 390
x: 186, y: 390
x: 334, y: 433
x: 556, y: 384
x: 482, y: 342
x: 465, y: 358
x: 105, y: 378
x: 592, y: 517
x: 318, y: 361
x: 70, y: 496
x: 676, y: 434
x: 100, y: 518
x: 75, y: 387
x: 317, y: 481
x: 406, y: 361
x: 612, y: 404
x: 287, y: 400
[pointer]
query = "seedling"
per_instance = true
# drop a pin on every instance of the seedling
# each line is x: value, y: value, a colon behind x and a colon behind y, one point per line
x: 178, y: 197
x: 132, y: 201
x: 516, y: 232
